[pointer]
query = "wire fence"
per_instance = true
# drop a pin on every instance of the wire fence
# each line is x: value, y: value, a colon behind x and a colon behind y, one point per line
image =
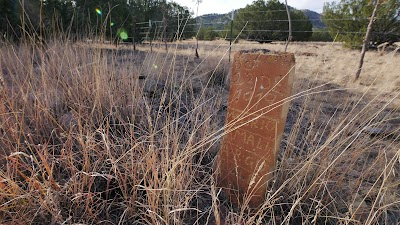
x: 259, y: 21
x: 192, y: 25
x: 157, y: 26
x: 257, y: 30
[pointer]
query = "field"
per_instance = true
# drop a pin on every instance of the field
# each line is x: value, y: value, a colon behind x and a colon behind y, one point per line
x: 97, y: 134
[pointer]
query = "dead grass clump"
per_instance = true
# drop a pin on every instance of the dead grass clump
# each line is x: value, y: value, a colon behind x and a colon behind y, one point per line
x: 94, y: 135
x: 82, y: 143
x: 218, y: 76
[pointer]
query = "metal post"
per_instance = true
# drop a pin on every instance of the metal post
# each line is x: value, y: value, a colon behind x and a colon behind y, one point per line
x: 149, y: 35
x: 230, y: 39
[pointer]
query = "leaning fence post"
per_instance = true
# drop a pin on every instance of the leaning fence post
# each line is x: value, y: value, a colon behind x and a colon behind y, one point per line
x: 230, y: 39
x: 260, y: 85
x: 151, y: 45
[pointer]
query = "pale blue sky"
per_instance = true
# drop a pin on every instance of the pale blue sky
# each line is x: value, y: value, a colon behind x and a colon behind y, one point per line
x: 224, y: 6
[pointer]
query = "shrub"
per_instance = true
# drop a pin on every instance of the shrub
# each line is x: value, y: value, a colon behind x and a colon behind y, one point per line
x: 207, y: 33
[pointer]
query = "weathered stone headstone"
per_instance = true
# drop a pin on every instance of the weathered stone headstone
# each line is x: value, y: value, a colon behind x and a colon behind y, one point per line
x: 261, y: 80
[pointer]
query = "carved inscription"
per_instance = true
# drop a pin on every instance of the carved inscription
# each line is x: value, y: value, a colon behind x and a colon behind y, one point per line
x: 255, y: 121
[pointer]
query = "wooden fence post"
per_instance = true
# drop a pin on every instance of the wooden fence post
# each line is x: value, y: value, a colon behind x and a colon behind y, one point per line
x: 261, y: 81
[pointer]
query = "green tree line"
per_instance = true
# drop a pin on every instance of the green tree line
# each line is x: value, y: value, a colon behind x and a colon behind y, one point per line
x: 88, y: 18
x: 262, y: 20
x: 267, y: 20
x: 347, y: 20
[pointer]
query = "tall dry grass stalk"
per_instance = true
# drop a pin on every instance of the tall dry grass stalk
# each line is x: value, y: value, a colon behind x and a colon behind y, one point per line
x: 85, y: 139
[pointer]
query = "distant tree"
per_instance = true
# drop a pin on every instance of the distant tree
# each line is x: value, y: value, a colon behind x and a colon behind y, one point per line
x: 207, y: 33
x: 9, y: 18
x: 177, y: 16
x: 169, y: 14
x: 58, y: 16
x: 19, y: 17
x: 101, y: 17
x: 348, y: 20
x: 321, y: 34
x: 268, y: 20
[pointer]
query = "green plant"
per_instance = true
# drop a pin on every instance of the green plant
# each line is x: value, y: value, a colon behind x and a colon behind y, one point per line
x: 348, y: 20
x: 321, y: 35
x: 267, y: 20
x: 207, y: 33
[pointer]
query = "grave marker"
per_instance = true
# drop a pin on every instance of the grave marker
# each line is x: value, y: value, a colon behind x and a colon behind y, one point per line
x: 261, y: 80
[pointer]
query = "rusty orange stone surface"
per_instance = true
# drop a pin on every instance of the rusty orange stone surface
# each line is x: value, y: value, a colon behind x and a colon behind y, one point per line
x: 257, y: 111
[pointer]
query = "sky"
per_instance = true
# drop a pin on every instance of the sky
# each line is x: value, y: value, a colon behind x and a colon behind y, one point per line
x: 224, y: 6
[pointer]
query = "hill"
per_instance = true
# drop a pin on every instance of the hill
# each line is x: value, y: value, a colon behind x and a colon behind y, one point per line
x: 215, y: 20
x: 315, y: 18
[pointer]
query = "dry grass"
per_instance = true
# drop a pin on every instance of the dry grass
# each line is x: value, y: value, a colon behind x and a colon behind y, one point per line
x: 85, y: 140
